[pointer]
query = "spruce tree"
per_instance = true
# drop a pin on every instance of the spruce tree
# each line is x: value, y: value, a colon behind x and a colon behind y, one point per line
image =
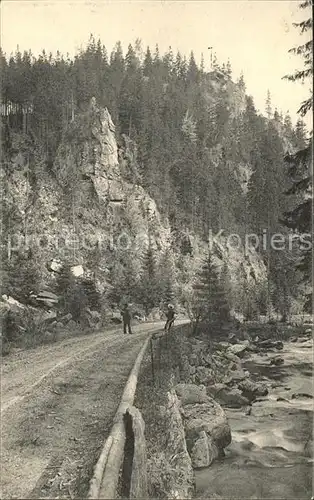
x: 148, y: 62
x: 300, y: 218
x: 149, y: 287
x: 300, y: 135
x: 288, y: 129
x: 166, y: 277
x: 229, y: 69
x: 268, y: 106
x: 210, y: 302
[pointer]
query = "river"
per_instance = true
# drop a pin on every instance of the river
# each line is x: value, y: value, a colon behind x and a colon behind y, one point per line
x: 271, y: 454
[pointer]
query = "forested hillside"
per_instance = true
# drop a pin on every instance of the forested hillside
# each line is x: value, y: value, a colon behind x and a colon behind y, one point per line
x: 197, y: 135
x: 189, y: 138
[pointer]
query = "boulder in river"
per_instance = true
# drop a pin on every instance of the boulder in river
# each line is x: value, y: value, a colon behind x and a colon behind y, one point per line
x: 239, y: 349
x: 235, y: 376
x: 251, y: 390
x: 300, y: 340
x: 302, y: 395
x: 204, y: 375
x: 230, y: 397
x: 222, y: 346
x: 277, y: 361
x: 270, y: 344
x: 204, y: 451
x: 233, y: 398
x: 214, y: 389
x: 233, y: 357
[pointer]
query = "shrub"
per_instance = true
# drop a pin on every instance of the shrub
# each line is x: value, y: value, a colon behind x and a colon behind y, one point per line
x: 74, y: 296
x: 20, y: 277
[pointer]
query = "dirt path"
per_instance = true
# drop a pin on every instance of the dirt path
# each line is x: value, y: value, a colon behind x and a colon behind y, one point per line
x: 57, y: 407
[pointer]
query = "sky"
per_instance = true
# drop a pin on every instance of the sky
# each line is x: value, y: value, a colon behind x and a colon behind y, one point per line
x: 254, y: 34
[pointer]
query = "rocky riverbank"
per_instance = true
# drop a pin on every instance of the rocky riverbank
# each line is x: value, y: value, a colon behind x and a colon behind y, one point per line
x: 200, y: 392
x: 271, y: 453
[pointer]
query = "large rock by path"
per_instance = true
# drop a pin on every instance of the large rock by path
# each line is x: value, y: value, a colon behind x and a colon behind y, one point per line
x: 204, y: 451
x: 208, y: 417
x: 226, y: 396
x: 191, y: 393
x: 239, y: 349
x: 251, y: 390
x: 206, y: 427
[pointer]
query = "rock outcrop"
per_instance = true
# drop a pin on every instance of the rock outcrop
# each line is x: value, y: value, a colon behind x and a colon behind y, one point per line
x: 87, y: 206
x: 90, y: 205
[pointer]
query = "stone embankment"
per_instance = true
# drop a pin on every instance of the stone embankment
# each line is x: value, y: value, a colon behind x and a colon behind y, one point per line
x: 183, y: 403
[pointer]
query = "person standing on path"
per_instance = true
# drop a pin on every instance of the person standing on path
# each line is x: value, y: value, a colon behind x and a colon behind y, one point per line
x: 126, y: 316
x: 170, y: 317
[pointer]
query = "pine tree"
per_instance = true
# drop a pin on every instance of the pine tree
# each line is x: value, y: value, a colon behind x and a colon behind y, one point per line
x: 265, y: 197
x: 268, y: 107
x: 166, y: 277
x: 72, y: 296
x: 229, y: 69
x: 283, y: 277
x: 210, y: 303
x: 92, y: 295
x: 115, y: 79
x: 148, y: 63
x: 130, y: 92
x: 20, y: 276
x: 192, y: 72
x: 241, y: 82
x: 299, y: 219
x: 189, y: 127
x: 202, y: 65
x: 215, y: 65
x: 156, y: 58
x: 288, y: 129
x: 300, y: 135
x: 276, y: 116
x: 306, y: 51
x: 168, y: 64
x: 225, y: 281
x: 149, y: 286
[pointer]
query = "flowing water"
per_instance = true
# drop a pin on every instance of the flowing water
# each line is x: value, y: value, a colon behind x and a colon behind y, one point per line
x: 271, y: 454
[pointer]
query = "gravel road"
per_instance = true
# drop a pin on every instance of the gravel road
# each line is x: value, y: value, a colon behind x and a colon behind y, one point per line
x: 57, y: 406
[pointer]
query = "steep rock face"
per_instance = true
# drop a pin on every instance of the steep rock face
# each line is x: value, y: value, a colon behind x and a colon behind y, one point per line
x: 86, y: 205
x: 216, y: 83
x: 85, y: 211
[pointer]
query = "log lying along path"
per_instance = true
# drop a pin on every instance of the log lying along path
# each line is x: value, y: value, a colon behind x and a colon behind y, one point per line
x: 57, y: 406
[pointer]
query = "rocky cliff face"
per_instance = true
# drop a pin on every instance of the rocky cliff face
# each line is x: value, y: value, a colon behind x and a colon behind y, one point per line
x: 85, y: 211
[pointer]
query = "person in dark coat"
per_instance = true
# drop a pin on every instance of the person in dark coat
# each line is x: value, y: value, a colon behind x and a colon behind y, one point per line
x: 170, y: 317
x: 126, y: 317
